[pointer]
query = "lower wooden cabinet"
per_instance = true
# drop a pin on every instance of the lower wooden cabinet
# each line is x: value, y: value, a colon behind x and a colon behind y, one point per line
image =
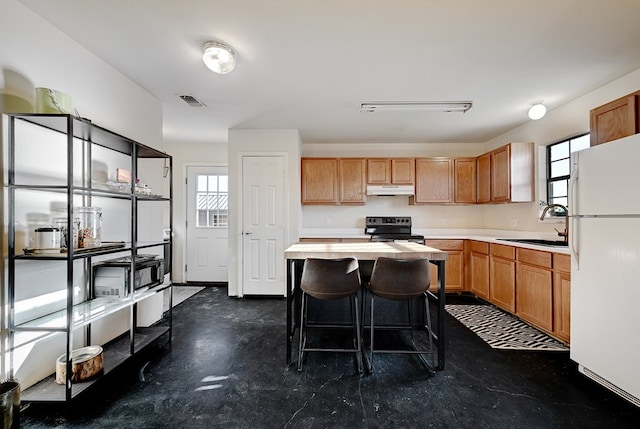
x: 454, y: 266
x: 502, y: 286
x: 534, y: 288
x: 479, y: 260
x: 562, y: 296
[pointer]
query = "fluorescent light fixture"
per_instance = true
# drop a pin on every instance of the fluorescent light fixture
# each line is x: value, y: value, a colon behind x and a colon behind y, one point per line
x: 218, y: 57
x: 434, y: 106
x: 537, y: 111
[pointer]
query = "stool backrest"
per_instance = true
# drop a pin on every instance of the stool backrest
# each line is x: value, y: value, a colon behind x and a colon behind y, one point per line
x: 330, y: 278
x: 400, y: 279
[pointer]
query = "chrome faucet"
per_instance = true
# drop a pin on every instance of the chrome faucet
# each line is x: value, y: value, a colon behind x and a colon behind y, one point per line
x: 564, y: 234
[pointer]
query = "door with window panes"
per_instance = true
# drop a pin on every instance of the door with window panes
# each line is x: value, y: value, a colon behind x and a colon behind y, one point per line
x: 207, y: 224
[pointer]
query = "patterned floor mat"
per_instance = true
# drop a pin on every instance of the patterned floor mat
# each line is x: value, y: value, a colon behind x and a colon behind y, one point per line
x: 502, y: 330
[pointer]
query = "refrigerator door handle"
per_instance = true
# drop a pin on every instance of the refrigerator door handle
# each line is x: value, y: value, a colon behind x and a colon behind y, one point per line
x: 573, y: 238
x: 573, y: 194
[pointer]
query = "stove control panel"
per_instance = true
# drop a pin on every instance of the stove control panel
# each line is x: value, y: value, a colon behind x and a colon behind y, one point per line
x: 388, y: 220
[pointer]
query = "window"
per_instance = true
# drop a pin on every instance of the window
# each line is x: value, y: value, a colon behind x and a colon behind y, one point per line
x: 559, y: 169
x: 212, y: 201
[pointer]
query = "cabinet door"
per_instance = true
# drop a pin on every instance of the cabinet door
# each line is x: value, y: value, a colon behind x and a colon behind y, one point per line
x: 501, y: 174
x: 434, y: 180
x: 402, y: 171
x: 454, y: 267
x: 480, y: 274
x: 352, y: 180
x: 535, y: 296
x: 502, y: 288
x: 464, y: 180
x: 483, y: 165
x: 562, y: 305
x: 378, y: 171
x: 319, y: 181
x: 614, y: 120
x: 562, y: 296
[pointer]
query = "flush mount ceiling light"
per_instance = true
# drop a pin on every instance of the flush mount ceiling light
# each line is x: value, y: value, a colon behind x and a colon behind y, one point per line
x: 397, y: 106
x: 537, y: 111
x: 219, y: 57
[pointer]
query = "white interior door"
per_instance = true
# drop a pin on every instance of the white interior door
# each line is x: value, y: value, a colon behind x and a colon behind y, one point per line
x: 207, y: 224
x: 263, y: 221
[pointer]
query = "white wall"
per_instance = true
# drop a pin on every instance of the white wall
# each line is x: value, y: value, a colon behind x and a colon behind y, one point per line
x: 565, y: 121
x: 33, y: 54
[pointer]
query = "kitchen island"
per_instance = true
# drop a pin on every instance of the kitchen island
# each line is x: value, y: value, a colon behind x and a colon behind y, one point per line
x: 367, y: 251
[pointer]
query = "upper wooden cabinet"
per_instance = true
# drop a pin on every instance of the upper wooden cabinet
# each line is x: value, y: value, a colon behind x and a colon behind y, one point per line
x: 508, y: 173
x: 319, y: 180
x: 390, y: 171
x: 464, y: 180
x: 332, y: 181
x: 352, y: 180
x: 434, y: 180
x: 483, y: 169
x: 442, y: 180
x: 616, y: 119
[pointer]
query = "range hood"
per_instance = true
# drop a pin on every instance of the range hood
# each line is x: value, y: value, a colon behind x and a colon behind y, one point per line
x: 390, y: 190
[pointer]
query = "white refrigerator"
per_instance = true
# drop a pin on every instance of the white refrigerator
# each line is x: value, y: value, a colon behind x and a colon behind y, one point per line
x: 605, y: 269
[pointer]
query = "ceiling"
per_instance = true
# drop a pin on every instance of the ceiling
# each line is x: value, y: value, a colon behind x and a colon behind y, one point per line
x: 308, y: 64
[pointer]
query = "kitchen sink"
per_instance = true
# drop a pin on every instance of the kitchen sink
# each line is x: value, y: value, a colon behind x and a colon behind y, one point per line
x: 536, y: 241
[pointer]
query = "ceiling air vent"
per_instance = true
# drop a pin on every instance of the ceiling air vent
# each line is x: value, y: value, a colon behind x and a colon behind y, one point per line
x: 192, y: 101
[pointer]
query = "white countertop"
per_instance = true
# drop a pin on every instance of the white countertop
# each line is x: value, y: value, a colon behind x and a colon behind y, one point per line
x: 486, y: 235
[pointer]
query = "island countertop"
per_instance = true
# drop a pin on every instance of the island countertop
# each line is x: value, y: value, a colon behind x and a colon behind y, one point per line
x: 364, y: 251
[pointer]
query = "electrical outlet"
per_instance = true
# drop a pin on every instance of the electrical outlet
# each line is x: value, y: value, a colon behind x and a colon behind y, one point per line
x: 445, y: 222
x: 327, y: 221
x: 514, y: 223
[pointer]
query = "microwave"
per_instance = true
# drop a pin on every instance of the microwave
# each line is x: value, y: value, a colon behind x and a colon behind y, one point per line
x: 112, y: 277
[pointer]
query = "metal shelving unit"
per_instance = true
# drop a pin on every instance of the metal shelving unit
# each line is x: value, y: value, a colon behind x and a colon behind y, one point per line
x: 74, y: 315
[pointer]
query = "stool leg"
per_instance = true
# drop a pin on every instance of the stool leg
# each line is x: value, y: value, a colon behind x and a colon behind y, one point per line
x: 410, y: 311
x: 371, y: 331
x: 356, y: 323
x: 427, y: 312
x: 303, y: 336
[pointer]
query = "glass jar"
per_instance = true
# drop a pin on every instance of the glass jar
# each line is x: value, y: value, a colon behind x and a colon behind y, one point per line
x: 47, y: 237
x: 90, y: 232
x: 61, y: 223
x: 34, y: 222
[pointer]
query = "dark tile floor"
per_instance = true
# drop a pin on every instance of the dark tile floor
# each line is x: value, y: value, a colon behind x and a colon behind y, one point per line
x: 226, y: 368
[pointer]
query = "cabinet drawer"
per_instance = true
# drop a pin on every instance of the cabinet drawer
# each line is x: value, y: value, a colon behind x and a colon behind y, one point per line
x: 562, y: 262
x: 534, y: 257
x: 445, y: 244
x: 480, y: 247
x: 502, y: 251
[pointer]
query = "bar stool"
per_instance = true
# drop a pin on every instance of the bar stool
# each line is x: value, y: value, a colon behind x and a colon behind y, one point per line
x: 330, y: 279
x: 401, y: 280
